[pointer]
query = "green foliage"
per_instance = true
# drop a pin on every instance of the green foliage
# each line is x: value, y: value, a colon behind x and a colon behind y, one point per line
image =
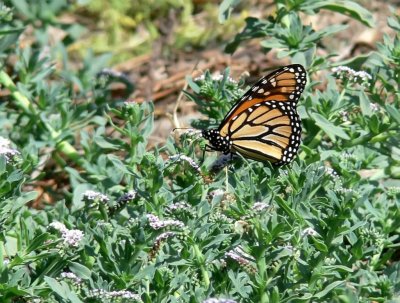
x: 126, y: 223
x: 285, y: 31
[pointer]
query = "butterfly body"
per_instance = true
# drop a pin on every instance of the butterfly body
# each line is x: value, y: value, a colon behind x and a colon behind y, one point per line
x: 264, y: 125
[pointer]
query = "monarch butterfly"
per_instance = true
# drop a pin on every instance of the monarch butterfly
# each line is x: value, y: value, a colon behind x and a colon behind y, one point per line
x: 264, y: 124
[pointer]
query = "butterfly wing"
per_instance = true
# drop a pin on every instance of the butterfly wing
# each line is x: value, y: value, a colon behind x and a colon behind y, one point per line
x: 284, y: 85
x: 269, y: 131
x: 264, y: 124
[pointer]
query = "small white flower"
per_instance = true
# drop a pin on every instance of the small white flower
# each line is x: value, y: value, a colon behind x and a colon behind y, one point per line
x: 239, y: 255
x: 345, y: 72
x: 217, y: 193
x: 6, y: 150
x: 200, y: 78
x: 72, y: 237
x: 192, y: 131
x: 331, y: 172
x: 215, y: 77
x: 178, y: 206
x: 103, y: 294
x: 156, y: 223
x: 259, y: 206
x: 165, y: 236
x: 374, y: 107
x: 190, y: 161
x: 58, y: 226
x: 345, y: 115
x: 91, y: 195
x: 4, y: 142
x: 126, y: 197
x: 309, y: 232
x: 394, y: 190
x: 71, y: 276
x: 129, y: 103
x: 344, y: 190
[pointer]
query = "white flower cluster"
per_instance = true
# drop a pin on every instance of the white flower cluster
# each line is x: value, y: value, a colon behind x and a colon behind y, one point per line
x: 331, y: 172
x: 6, y: 150
x: 165, y: 236
x: 71, y: 276
x: 239, y: 252
x: 295, y: 252
x: 259, y: 206
x: 71, y: 237
x: 242, y: 258
x: 91, y: 195
x: 104, y: 294
x: 344, y: 72
x: 156, y: 223
x: 192, y: 132
x: 374, y: 107
x: 129, y: 103
x: 126, y: 197
x: 217, y: 193
x: 345, y: 115
x: 190, y: 161
x: 178, y: 206
x: 394, y: 190
x: 344, y: 190
x: 215, y: 77
x: 309, y: 231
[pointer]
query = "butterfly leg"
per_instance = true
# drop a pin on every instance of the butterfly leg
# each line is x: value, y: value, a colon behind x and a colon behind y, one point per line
x: 207, y: 148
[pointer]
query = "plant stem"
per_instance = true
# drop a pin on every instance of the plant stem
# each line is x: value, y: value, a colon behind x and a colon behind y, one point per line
x: 21, y: 100
x: 200, y: 258
x: 26, y: 105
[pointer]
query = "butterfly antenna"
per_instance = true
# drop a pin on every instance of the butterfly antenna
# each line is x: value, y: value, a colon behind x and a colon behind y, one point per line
x: 179, y: 128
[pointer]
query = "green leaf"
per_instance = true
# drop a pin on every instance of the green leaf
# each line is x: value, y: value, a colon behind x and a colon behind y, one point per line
x: 374, y: 123
x: 118, y: 164
x: 146, y: 273
x: 255, y: 28
x: 365, y: 104
x: 225, y: 9
x: 37, y: 242
x: 348, y: 8
x: 393, y: 112
x: 355, y: 63
x: 103, y: 143
x: 63, y: 290
x: 393, y: 23
x: 282, y: 203
x: 80, y: 270
x: 328, y: 289
x: 328, y: 127
x: 320, y: 245
x: 193, y: 85
x: 56, y: 286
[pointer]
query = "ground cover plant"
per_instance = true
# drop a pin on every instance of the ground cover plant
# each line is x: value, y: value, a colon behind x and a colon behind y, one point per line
x: 128, y: 222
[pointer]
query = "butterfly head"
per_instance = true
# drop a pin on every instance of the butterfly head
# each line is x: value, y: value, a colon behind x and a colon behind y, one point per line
x: 218, y: 142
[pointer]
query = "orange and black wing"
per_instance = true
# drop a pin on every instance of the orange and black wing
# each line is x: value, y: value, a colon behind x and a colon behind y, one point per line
x: 264, y: 125
x: 268, y: 131
x: 283, y: 85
